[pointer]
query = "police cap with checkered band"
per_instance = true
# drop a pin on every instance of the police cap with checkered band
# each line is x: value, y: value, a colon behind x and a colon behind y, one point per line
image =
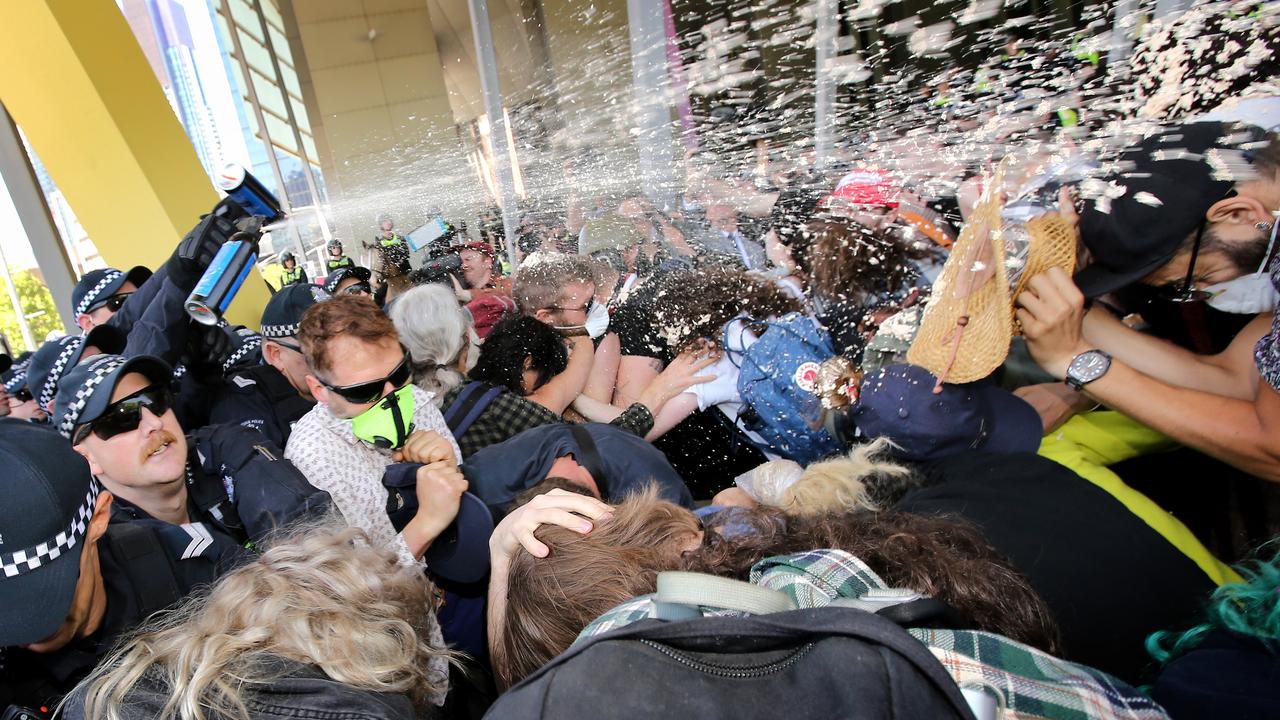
x: 49, y: 499
x: 85, y: 393
x: 96, y: 286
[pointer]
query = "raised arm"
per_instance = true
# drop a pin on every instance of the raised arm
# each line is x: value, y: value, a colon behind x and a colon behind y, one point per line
x: 563, y: 388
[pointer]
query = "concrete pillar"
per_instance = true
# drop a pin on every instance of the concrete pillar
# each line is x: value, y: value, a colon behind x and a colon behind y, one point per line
x: 78, y: 84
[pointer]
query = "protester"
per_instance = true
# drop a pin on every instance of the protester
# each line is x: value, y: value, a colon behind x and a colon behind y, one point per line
x: 618, y: 552
x: 251, y: 647
x: 608, y: 461
x: 368, y: 415
x: 1206, y: 233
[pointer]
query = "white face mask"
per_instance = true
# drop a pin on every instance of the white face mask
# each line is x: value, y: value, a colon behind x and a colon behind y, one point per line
x: 597, y: 321
x: 1248, y: 294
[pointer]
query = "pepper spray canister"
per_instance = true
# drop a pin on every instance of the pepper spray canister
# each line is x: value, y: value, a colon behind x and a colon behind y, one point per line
x: 235, y: 259
x: 222, y: 280
x: 248, y: 193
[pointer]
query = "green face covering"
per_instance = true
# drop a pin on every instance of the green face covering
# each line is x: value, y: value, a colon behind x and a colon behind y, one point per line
x: 389, y: 422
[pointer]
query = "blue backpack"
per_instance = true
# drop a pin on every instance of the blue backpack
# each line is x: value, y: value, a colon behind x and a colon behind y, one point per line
x: 777, y: 382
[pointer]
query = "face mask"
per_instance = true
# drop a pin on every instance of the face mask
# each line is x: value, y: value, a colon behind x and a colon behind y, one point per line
x: 389, y: 422
x: 1248, y: 294
x: 597, y: 321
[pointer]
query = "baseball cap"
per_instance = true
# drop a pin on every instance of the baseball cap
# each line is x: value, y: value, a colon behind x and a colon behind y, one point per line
x: 96, y: 286
x: 898, y: 403
x: 285, y: 309
x: 85, y: 393
x: 56, y: 358
x: 1169, y: 183
x: 483, y: 248
x: 49, y: 497
x: 342, y: 273
x: 865, y: 186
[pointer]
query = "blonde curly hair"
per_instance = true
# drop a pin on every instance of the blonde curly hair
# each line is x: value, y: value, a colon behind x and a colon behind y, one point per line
x: 321, y: 595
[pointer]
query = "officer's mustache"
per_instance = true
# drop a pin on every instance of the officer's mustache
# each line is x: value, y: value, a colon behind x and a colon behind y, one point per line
x: 158, y: 442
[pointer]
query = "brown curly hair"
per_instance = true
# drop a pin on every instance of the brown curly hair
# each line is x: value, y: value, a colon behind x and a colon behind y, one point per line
x: 695, y: 306
x: 844, y: 260
x: 550, y: 600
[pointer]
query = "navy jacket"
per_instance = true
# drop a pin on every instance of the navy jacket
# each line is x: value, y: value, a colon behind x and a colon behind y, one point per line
x: 626, y: 463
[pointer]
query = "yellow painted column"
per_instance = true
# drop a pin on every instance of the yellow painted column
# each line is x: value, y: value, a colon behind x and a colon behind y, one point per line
x: 77, y: 83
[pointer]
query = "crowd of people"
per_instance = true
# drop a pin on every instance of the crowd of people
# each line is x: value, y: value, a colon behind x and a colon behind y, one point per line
x: 839, y: 393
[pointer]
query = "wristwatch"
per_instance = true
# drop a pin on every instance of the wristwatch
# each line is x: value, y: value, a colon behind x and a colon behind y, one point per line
x: 1087, y: 367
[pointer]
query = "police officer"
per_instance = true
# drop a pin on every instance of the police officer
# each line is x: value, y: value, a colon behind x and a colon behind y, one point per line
x: 392, y: 247
x: 272, y: 396
x: 336, y: 258
x: 293, y: 273
x: 349, y: 281
x: 62, y: 606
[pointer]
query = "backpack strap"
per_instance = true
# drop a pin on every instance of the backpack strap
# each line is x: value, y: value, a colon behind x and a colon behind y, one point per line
x: 146, y: 565
x: 589, y: 457
x: 690, y: 588
x: 467, y: 407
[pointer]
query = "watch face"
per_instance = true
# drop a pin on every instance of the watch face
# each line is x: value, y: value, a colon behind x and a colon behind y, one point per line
x: 1090, y: 366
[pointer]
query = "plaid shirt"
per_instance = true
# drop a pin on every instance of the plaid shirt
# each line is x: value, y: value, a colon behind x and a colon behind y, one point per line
x: 509, y: 415
x: 1026, y: 682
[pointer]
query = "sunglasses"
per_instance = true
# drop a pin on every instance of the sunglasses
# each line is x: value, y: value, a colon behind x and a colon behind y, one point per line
x: 366, y: 392
x: 113, y: 303
x: 357, y: 289
x: 21, y: 396
x: 125, y: 414
x: 585, y: 308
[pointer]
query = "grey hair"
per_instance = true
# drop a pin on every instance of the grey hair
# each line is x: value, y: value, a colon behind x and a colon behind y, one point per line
x: 435, y: 329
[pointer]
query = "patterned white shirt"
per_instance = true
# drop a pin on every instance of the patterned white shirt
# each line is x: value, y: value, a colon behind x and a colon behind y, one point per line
x: 323, y: 447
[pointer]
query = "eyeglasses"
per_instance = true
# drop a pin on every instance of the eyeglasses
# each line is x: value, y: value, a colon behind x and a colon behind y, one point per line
x: 294, y: 348
x: 360, y: 288
x: 366, y: 392
x: 1187, y: 292
x: 125, y: 414
x: 585, y: 308
x: 113, y: 303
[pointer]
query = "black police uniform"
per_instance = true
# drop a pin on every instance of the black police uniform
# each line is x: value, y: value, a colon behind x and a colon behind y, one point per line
x: 263, y: 399
x: 239, y: 489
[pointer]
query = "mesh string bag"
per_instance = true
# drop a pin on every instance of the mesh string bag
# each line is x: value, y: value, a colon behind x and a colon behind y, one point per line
x: 968, y: 322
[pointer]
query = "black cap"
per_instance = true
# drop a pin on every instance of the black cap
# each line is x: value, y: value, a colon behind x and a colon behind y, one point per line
x: 49, y: 497
x: 96, y: 286
x: 342, y: 273
x: 898, y: 403
x: 285, y: 309
x: 1169, y: 183
x: 56, y: 358
x: 85, y: 392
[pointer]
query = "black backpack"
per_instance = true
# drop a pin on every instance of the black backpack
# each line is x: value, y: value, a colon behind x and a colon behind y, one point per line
x: 828, y: 662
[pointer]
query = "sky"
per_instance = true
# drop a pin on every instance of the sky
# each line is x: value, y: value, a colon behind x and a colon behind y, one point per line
x: 13, y: 238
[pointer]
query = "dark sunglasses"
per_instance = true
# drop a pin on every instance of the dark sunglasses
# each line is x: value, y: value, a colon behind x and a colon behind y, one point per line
x: 23, y: 395
x: 125, y: 414
x: 366, y: 392
x: 1186, y: 292
x: 113, y: 303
